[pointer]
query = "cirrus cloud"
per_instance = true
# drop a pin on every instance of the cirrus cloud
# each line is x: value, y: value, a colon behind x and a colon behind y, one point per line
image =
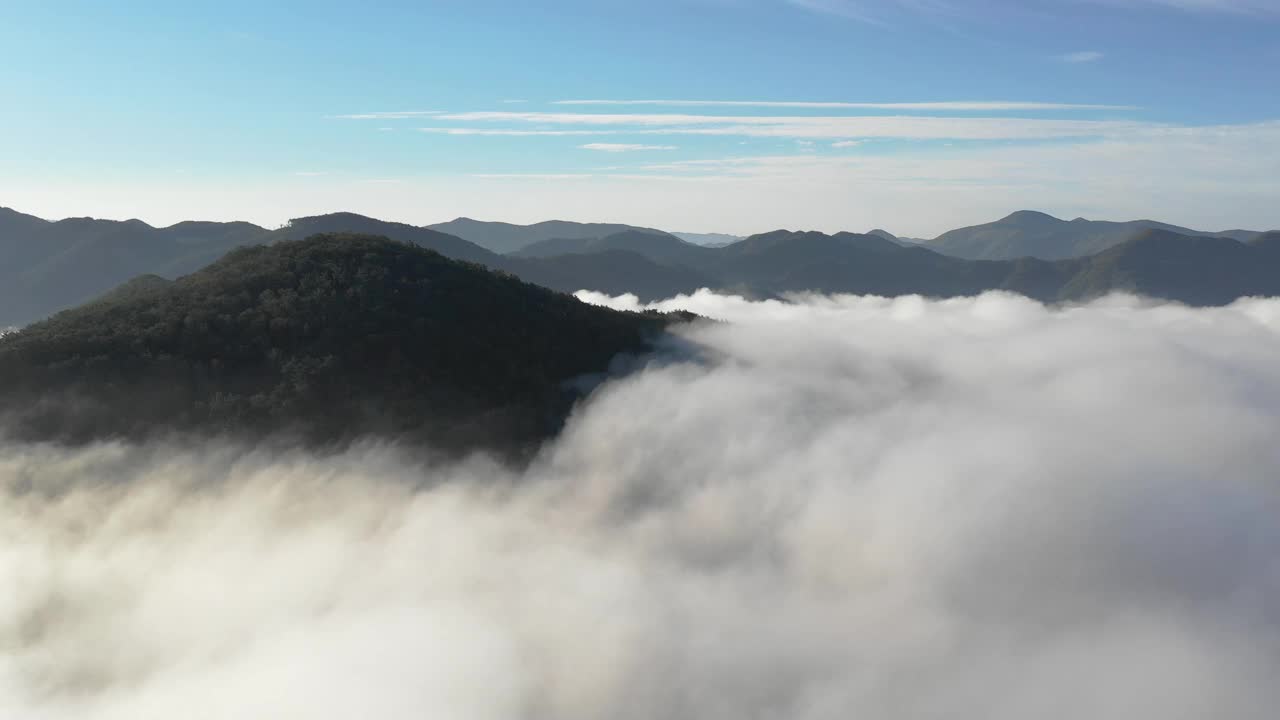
x: 625, y: 147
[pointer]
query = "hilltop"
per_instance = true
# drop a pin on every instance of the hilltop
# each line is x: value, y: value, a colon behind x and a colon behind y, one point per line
x: 331, y: 338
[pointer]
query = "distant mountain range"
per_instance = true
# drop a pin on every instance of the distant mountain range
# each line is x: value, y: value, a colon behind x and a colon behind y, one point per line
x: 1035, y: 234
x: 709, y: 239
x: 504, y: 238
x: 47, y: 266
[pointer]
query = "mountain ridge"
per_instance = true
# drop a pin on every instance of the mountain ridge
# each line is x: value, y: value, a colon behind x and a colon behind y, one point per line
x: 48, y: 266
x: 1030, y: 233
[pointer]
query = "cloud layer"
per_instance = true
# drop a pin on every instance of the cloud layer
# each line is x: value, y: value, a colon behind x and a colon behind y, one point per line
x: 838, y: 507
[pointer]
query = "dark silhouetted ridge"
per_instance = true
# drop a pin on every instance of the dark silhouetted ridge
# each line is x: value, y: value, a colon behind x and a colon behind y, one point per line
x: 331, y: 337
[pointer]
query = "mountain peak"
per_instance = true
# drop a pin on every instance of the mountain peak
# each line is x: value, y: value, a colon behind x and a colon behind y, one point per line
x: 1030, y: 216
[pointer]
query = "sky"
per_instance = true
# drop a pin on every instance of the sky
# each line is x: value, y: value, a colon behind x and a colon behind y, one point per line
x: 735, y: 116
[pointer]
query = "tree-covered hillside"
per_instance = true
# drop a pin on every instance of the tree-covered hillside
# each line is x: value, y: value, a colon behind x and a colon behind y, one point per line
x: 329, y: 337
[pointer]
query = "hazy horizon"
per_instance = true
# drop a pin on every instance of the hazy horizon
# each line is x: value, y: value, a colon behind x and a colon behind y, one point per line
x: 558, y: 218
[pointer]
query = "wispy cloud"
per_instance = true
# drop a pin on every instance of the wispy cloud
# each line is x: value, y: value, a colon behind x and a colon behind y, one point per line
x: 847, y: 143
x: 624, y: 147
x: 951, y: 105
x: 534, y: 176
x: 1084, y: 56
x: 823, y: 127
x: 393, y: 115
x: 503, y: 132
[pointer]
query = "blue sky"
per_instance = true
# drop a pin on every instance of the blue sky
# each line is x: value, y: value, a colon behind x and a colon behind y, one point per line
x: 703, y: 115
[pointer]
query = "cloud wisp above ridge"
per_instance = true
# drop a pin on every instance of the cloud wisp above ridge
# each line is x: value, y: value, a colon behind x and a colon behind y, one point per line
x: 838, y: 507
x: 792, y: 126
x: 959, y: 106
x: 624, y: 147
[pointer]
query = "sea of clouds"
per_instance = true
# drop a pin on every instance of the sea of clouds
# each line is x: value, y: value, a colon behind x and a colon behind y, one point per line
x: 835, y: 508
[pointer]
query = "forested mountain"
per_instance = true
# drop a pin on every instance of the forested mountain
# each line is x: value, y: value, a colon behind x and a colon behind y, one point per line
x: 504, y: 238
x: 1035, y: 234
x: 330, y: 337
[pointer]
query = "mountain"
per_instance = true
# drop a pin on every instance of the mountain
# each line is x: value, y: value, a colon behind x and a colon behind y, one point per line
x: 446, y: 244
x: 1267, y: 241
x: 629, y: 269
x: 49, y: 266
x: 784, y: 261
x: 46, y: 266
x: 1034, y: 234
x: 708, y: 239
x: 330, y: 337
x: 1158, y: 263
x: 1193, y: 270
x: 502, y: 238
x: 904, y: 241
x: 614, y: 272
x: 658, y: 247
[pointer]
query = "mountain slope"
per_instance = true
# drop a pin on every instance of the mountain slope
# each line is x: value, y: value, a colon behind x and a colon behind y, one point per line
x: 47, y: 266
x: 614, y: 272
x: 503, y: 238
x: 1034, y: 234
x: 785, y: 261
x: 448, y: 245
x: 332, y: 337
x: 656, y: 246
x: 1157, y: 263
x: 1193, y: 270
x: 708, y: 239
x: 621, y: 271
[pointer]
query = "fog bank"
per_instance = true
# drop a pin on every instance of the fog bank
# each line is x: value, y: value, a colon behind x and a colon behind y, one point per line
x: 841, y: 507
